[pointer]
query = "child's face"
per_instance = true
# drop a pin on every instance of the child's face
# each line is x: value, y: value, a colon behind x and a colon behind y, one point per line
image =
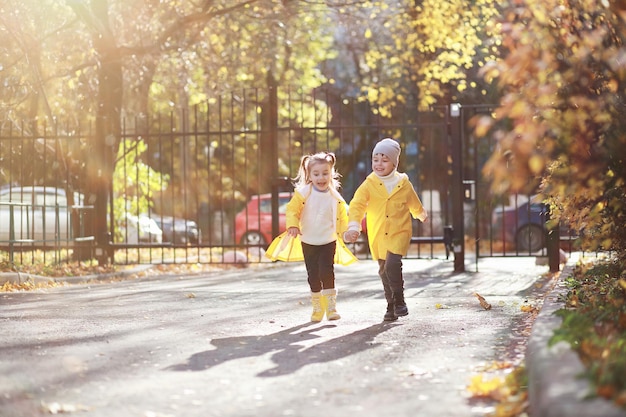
x: 320, y: 174
x: 382, y: 165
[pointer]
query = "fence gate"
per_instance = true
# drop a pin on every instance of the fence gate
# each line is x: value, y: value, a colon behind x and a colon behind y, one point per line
x: 501, y: 225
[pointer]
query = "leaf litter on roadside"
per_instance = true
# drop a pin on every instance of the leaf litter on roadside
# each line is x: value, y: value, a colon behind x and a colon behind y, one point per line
x: 509, y: 391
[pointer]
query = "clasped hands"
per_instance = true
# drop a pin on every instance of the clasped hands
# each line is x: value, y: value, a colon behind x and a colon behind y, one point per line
x: 350, y: 236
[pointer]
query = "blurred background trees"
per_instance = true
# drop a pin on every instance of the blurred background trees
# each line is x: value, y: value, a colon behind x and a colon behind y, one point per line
x: 555, y: 68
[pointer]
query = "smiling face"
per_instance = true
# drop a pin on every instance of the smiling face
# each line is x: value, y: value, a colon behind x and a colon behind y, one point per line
x: 382, y: 165
x: 321, y: 174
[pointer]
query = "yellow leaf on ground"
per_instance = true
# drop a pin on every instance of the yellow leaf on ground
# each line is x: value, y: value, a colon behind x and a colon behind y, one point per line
x: 481, y: 387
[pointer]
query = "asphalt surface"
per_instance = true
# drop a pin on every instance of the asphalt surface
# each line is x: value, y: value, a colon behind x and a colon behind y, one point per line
x: 239, y: 343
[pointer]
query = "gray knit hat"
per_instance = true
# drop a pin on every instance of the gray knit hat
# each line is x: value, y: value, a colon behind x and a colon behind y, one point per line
x: 390, y: 148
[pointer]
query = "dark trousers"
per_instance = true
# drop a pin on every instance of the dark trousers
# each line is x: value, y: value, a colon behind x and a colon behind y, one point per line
x: 390, y: 271
x: 319, y: 261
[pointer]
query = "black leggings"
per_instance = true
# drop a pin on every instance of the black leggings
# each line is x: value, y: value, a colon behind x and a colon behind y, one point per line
x: 319, y: 261
x: 390, y: 271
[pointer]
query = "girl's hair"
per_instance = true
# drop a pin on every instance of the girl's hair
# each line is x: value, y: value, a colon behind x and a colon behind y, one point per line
x: 308, y: 161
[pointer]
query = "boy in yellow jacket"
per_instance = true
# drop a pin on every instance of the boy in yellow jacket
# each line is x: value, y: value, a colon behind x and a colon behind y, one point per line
x: 389, y: 200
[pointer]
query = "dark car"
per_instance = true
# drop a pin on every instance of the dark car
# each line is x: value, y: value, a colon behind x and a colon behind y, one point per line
x: 178, y: 231
x: 523, y: 223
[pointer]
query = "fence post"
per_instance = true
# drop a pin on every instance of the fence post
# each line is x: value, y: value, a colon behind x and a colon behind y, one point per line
x: 11, y: 233
x: 553, y: 247
x: 273, y: 152
x: 456, y: 187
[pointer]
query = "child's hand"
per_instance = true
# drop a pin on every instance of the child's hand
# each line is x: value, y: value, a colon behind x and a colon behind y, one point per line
x: 293, y: 231
x: 351, y: 236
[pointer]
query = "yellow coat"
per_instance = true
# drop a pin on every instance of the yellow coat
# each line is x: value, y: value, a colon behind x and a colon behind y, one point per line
x: 285, y: 248
x: 389, y: 226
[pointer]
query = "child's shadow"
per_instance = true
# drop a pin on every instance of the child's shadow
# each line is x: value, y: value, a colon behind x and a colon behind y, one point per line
x: 288, y: 356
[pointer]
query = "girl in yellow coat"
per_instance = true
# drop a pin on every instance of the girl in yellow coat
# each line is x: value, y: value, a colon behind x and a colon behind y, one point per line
x: 315, y: 219
x: 388, y: 200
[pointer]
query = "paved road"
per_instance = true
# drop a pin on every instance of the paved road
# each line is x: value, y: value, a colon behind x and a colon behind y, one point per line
x: 239, y: 343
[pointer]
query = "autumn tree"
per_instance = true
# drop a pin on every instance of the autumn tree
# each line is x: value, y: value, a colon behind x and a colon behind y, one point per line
x: 104, y: 59
x: 561, y: 120
x: 431, y: 50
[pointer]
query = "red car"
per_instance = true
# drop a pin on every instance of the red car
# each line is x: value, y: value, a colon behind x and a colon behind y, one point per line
x: 253, y: 224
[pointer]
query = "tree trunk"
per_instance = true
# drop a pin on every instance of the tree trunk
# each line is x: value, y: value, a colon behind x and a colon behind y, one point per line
x: 108, y: 124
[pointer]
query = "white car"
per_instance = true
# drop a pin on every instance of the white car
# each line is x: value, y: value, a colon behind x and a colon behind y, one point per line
x: 39, y: 214
x: 42, y: 217
x: 141, y: 229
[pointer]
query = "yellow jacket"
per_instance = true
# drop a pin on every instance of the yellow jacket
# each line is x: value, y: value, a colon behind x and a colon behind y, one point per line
x: 285, y: 248
x: 389, y: 226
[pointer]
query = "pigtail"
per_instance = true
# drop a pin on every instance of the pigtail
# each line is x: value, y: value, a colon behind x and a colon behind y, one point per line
x: 332, y: 159
x: 303, y: 172
x: 303, y: 177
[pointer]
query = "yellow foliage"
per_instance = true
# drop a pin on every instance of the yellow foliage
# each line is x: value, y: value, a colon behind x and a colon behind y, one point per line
x: 436, y: 43
x: 482, y: 125
x: 560, y: 81
x: 494, y: 387
x: 27, y: 286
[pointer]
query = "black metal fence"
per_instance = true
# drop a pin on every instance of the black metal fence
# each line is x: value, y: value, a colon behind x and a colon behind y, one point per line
x: 201, y: 184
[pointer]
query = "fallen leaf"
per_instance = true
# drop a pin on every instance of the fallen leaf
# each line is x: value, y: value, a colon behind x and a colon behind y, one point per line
x: 484, y: 304
x: 486, y: 388
x: 528, y: 309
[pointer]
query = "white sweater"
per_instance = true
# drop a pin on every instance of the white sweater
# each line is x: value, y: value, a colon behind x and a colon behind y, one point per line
x: 317, y: 221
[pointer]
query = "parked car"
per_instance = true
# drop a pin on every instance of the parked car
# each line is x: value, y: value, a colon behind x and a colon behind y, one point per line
x: 253, y: 224
x: 178, y: 230
x: 40, y: 214
x: 141, y: 229
x: 522, y: 222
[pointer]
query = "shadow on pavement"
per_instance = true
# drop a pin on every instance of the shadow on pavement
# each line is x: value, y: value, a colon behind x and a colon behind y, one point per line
x: 289, y: 356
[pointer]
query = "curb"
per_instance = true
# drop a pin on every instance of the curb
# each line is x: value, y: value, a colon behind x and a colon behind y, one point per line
x: 21, y: 278
x: 556, y: 385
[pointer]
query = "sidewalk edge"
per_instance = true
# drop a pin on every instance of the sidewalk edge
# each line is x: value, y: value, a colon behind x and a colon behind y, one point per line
x: 556, y: 386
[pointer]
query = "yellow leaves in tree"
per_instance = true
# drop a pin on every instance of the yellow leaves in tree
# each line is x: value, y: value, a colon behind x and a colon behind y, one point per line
x: 482, y: 125
x: 436, y: 43
x: 536, y: 164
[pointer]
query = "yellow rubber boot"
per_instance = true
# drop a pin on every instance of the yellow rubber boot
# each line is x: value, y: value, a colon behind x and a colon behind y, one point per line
x: 329, y: 303
x: 318, y: 310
